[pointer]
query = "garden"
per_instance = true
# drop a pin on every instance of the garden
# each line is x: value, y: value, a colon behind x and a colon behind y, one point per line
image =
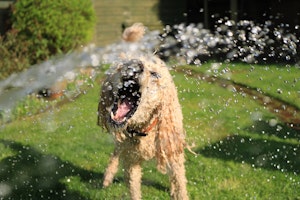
x: 243, y: 151
x: 241, y: 113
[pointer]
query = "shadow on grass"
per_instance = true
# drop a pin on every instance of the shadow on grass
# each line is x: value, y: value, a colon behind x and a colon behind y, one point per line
x: 29, y: 174
x: 271, y: 154
x: 32, y: 175
x: 278, y: 130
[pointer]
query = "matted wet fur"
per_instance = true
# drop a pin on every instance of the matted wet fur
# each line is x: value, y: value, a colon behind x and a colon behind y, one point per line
x: 139, y: 107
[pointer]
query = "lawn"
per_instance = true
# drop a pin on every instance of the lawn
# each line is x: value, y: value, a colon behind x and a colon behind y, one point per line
x: 244, y: 151
x: 279, y: 81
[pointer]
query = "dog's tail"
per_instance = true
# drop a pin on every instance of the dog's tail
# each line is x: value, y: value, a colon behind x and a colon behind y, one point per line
x: 134, y: 33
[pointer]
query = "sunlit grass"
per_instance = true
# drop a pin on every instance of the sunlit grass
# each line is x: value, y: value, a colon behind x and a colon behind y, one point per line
x: 280, y: 81
x: 62, y: 153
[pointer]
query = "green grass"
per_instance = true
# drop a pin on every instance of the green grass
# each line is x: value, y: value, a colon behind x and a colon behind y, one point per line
x: 282, y: 82
x: 34, y: 104
x: 62, y: 154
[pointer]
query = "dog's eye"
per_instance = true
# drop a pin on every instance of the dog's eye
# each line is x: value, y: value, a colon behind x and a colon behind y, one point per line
x: 155, y: 74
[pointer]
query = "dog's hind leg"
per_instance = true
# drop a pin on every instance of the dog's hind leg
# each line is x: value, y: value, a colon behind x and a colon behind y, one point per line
x: 133, y: 176
x: 177, y: 179
x: 112, y: 168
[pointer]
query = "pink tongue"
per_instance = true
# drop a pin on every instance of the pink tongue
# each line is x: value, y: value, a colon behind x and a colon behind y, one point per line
x: 122, y: 110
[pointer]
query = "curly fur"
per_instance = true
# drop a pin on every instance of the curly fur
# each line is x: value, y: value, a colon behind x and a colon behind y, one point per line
x: 154, y: 130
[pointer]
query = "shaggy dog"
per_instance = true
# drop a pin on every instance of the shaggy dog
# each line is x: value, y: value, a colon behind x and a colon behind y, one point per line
x: 139, y: 107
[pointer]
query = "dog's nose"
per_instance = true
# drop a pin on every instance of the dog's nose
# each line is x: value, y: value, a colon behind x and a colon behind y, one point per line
x: 132, y: 69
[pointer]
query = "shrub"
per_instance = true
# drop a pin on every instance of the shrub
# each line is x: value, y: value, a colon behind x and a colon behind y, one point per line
x: 14, y: 54
x: 53, y: 27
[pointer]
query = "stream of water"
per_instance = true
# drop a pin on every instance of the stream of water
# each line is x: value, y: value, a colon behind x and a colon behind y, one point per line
x: 43, y: 75
x: 244, y: 41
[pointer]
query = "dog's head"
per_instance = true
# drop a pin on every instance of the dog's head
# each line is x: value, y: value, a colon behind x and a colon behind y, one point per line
x: 136, y: 94
x: 125, y: 95
x: 132, y: 93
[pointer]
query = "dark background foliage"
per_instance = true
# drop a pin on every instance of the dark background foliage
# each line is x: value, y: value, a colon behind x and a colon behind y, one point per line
x: 41, y: 29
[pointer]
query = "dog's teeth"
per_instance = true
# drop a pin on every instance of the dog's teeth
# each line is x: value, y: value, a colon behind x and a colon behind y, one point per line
x: 112, y: 115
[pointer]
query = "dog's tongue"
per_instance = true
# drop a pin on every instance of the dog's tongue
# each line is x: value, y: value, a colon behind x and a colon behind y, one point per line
x: 123, y: 109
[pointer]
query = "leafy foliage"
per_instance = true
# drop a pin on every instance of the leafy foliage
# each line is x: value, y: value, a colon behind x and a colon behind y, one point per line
x: 41, y: 29
x: 53, y: 26
x: 14, y: 54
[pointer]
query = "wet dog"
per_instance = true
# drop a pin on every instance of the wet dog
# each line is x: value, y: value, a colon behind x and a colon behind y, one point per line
x: 140, y: 108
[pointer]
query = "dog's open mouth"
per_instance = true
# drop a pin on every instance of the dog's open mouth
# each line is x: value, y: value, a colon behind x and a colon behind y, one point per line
x: 126, y: 102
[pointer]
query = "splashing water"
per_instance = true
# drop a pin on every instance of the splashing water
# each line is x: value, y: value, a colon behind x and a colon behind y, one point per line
x: 43, y: 75
x: 244, y: 41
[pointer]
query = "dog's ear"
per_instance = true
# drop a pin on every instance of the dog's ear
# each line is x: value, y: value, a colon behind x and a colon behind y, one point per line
x: 105, y: 102
x: 170, y: 136
x: 101, y: 113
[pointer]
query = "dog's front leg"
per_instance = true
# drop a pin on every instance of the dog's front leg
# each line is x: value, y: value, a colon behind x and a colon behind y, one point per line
x: 112, y: 168
x: 133, y: 175
x: 178, y: 180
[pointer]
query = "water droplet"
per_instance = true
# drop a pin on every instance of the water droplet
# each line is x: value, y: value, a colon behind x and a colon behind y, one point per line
x: 279, y: 128
x: 5, y: 189
x: 272, y: 122
x: 279, y: 91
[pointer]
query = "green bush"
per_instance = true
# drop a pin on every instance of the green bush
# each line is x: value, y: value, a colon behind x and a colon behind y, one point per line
x: 53, y: 27
x: 14, y: 54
